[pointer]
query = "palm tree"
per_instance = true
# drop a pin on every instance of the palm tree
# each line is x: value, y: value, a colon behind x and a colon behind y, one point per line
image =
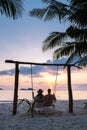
x: 76, y: 47
x: 11, y: 8
x: 73, y: 41
x: 75, y: 12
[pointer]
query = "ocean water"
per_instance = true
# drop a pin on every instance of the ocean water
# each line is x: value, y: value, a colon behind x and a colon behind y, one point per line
x: 8, y: 95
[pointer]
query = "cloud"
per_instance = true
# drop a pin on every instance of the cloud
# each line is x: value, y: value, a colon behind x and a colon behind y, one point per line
x: 7, y: 72
x: 37, y: 69
x: 24, y: 70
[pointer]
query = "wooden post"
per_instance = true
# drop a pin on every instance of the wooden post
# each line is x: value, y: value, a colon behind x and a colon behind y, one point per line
x: 16, y: 88
x: 70, y: 89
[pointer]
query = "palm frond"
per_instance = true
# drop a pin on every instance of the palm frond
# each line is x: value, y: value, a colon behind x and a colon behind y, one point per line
x: 54, y: 9
x: 64, y: 50
x: 39, y: 13
x: 83, y: 61
x: 46, y: 1
x: 76, y: 33
x: 79, y: 17
x: 75, y: 11
x: 79, y: 13
x: 71, y: 58
x: 53, y: 40
x: 11, y: 8
x: 76, y: 2
x: 81, y: 48
x: 71, y: 49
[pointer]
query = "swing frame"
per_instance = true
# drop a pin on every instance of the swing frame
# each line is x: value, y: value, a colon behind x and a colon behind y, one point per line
x: 68, y: 66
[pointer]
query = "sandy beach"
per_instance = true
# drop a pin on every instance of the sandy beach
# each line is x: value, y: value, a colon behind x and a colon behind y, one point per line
x: 57, y: 119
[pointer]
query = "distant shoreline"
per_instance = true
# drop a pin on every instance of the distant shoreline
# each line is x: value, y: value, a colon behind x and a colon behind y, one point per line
x: 1, y: 89
x: 60, y: 100
x: 6, y: 101
x: 27, y: 89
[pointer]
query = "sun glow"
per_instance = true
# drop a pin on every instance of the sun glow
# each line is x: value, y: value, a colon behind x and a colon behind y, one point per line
x: 48, y: 77
x: 46, y: 80
x: 7, y: 82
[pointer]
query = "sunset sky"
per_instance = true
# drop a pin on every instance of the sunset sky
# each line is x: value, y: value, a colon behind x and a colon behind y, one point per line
x: 21, y: 40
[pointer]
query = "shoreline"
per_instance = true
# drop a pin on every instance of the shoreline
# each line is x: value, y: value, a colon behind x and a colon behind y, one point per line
x: 60, y: 105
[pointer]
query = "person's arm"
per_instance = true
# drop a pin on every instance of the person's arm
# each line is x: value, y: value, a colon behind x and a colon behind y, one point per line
x: 54, y: 97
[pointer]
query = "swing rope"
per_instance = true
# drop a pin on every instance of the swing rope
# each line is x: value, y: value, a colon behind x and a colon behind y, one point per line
x: 55, y: 81
x: 32, y: 82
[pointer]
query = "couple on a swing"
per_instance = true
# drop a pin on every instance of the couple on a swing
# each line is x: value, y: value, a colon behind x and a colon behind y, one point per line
x: 42, y: 101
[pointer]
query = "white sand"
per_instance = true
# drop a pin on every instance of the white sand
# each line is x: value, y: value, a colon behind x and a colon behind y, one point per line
x: 60, y: 120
